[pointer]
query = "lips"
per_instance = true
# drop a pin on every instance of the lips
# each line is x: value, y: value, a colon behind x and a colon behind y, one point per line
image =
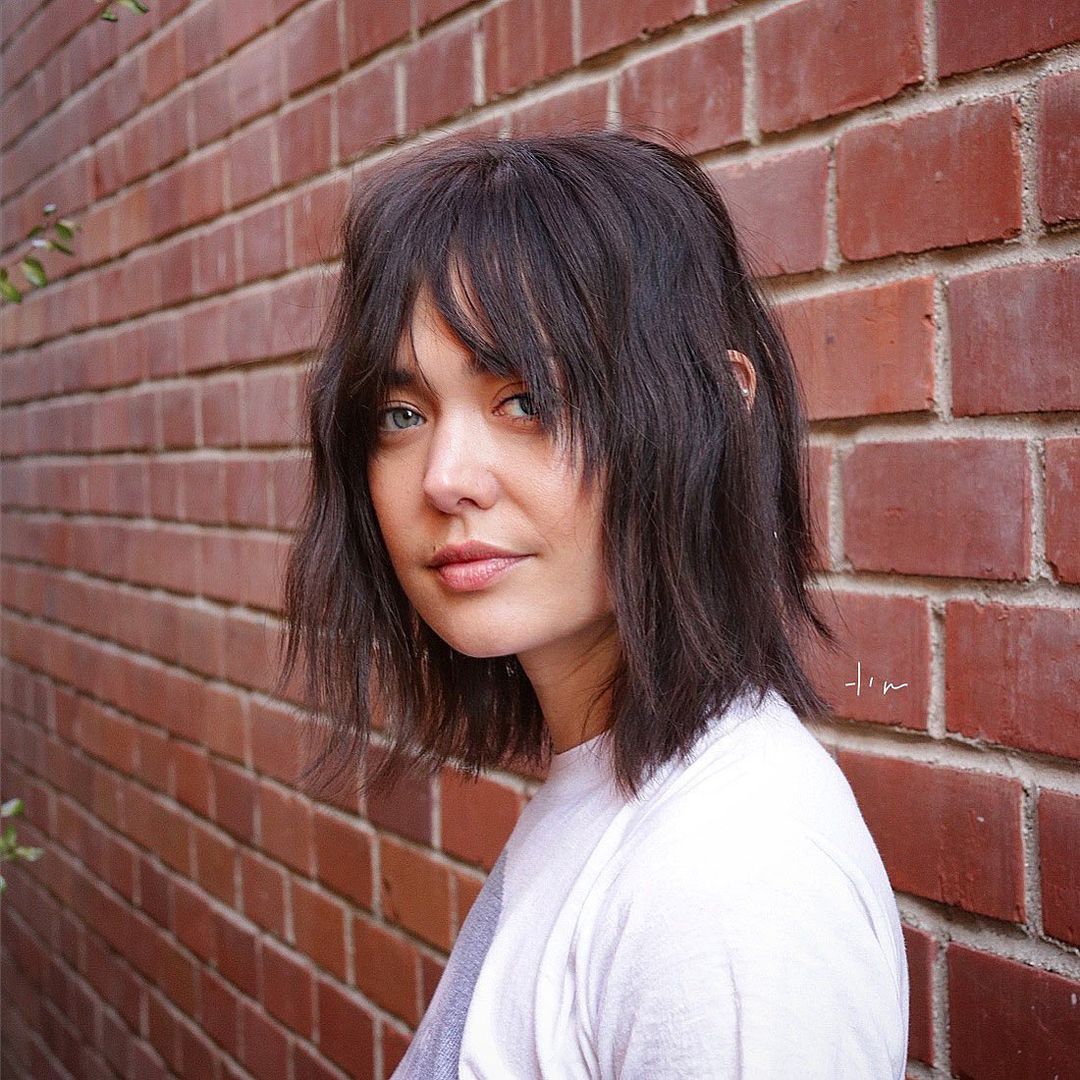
x: 476, y: 573
x: 471, y: 551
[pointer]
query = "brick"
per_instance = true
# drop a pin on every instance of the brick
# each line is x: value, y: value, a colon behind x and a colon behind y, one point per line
x: 1062, y: 484
x: 221, y: 412
x: 270, y: 406
x: 215, y: 260
x: 1010, y: 1021
x: 305, y: 138
x: 920, y: 948
x: 210, y: 105
x: 972, y: 34
x: 256, y: 78
x: 415, y: 892
x: 605, y: 25
x: 237, y: 951
x: 202, y: 187
x: 192, y: 923
x: 1059, y: 147
x: 234, y: 799
x: 346, y: 1029
x: 467, y: 887
x: 204, y: 42
x: 882, y: 674
x: 944, y: 834
x: 249, y: 335
x: 285, y: 831
x: 1012, y: 675
x: 263, y: 892
x: 263, y: 242
x: 820, y: 461
x: 406, y: 809
x: 161, y: 65
x: 525, y: 41
x: 934, y: 168
x: 220, y: 1010
x: 215, y: 861
x: 246, y: 499
x: 312, y: 46
x: 309, y: 1064
x: 366, y: 109
x: 822, y: 57
x: 343, y: 856
x: 477, y: 817
x: 948, y: 508
x: 287, y: 987
x: 865, y: 352
x: 394, y: 1047
x: 1013, y: 331
x: 315, y: 215
x: 580, y: 106
x: 191, y: 777
x: 370, y: 27
x: 245, y: 21
x: 163, y: 1031
x: 177, y: 286
x: 1059, y: 864
x: 694, y: 92
x: 319, y: 927
x: 252, y: 155
x: 266, y: 1046
x: 778, y: 208
x: 157, y: 137
x: 439, y: 76
x: 386, y: 969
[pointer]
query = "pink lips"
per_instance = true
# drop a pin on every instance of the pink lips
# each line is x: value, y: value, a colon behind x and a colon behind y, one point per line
x: 476, y: 573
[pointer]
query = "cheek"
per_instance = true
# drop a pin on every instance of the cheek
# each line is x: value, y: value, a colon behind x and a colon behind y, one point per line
x: 389, y: 512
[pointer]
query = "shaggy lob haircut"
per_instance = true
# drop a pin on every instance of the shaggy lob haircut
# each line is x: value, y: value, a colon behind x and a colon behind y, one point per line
x: 601, y: 269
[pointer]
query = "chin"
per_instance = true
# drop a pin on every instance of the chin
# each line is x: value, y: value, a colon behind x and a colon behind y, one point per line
x: 480, y: 645
x: 477, y: 636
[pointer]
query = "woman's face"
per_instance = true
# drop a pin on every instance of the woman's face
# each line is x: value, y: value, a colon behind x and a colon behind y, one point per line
x: 472, y: 463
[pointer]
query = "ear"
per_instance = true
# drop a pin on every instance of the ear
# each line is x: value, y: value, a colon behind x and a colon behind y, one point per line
x: 745, y: 374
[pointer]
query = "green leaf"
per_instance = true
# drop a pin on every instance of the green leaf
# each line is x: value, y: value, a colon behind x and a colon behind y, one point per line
x: 35, y: 230
x: 34, y: 271
x: 110, y: 16
x: 8, y: 291
x: 61, y: 247
x: 136, y: 6
x: 11, y: 806
x: 66, y: 228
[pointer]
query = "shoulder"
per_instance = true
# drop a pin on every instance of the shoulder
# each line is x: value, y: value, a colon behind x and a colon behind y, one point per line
x: 709, y: 947
x: 743, y: 868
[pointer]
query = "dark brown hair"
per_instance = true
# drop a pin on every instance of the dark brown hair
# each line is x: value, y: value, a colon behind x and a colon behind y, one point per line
x: 605, y: 273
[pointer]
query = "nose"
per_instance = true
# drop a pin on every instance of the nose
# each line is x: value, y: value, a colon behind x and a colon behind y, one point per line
x: 459, y: 464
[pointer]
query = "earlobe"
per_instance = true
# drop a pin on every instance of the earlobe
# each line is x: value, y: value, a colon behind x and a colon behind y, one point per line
x: 744, y: 374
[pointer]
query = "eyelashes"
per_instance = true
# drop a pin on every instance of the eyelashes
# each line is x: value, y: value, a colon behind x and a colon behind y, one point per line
x: 388, y: 410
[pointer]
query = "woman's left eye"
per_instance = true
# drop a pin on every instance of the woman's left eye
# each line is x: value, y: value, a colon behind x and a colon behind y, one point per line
x: 528, y: 416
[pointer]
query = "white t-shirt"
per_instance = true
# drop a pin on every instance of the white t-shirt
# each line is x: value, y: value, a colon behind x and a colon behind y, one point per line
x: 734, y: 922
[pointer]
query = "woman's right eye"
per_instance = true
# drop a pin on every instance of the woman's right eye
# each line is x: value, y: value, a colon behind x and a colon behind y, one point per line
x: 389, y: 411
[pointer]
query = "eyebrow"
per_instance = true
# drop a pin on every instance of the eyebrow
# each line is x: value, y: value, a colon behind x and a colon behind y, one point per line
x: 401, y: 378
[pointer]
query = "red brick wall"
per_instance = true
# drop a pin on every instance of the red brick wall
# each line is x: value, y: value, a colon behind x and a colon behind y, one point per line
x: 908, y: 173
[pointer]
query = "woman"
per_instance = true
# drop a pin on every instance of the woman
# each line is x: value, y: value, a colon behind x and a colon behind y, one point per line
x: 558, y: 518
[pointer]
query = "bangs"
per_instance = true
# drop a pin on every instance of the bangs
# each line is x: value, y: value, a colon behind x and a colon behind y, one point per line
x: 503, y: 253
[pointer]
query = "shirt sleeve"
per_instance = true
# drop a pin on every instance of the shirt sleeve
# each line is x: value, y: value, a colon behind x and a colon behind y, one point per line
x: 742, y: 960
